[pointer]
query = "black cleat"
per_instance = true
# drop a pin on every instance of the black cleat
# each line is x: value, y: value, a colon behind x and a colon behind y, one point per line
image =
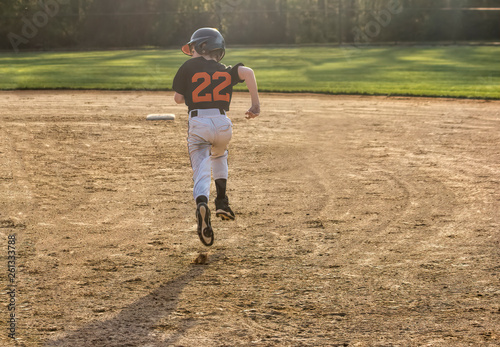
x: 205, y: 231
x: 223, y: 210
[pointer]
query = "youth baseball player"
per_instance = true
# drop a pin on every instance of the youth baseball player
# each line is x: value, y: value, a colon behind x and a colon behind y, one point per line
x: 206, y: 86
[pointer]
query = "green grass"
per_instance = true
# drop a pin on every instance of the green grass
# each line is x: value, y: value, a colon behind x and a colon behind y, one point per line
x: 454, y: 71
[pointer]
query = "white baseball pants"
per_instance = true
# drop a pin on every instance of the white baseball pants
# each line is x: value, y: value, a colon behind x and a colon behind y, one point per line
x: 208, y: 137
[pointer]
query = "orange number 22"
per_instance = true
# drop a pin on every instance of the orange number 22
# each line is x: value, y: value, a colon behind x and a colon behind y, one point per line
x: 207, y: 79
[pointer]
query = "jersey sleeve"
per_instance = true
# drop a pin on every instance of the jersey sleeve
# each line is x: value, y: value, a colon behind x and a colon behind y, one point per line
x: 235, y: 77
x: 180, y: 81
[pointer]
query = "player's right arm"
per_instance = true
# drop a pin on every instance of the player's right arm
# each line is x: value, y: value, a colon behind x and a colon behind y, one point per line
x: 179, y: 98
x: 180, y: 84
x: 246, y: 74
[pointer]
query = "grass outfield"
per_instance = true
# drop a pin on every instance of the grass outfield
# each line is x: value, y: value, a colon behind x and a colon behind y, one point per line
x: 454, y: 71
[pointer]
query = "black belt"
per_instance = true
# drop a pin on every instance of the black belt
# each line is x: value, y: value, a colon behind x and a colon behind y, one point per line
x: 195, y: 112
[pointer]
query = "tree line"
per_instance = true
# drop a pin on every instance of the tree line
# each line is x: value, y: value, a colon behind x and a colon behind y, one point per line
x: 83, y: 24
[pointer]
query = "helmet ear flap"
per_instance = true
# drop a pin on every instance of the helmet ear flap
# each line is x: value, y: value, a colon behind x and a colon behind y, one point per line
x: 187, y: 49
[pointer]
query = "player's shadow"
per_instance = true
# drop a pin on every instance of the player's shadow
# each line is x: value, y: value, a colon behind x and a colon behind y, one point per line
x: 133, y: 325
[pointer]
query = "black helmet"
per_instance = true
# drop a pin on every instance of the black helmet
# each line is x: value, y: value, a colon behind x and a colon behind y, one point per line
x: 211, y: 37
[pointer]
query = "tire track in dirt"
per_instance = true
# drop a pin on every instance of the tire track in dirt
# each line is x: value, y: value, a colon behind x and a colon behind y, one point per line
x: 388, y: 241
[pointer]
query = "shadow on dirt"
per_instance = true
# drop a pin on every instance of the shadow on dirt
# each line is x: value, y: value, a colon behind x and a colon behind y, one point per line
x: 134, y: 324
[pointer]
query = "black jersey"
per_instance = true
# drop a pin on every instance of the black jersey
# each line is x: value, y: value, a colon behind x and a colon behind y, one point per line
x: 206, y: 83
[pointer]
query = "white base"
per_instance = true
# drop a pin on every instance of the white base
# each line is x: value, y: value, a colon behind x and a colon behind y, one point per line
x: 166, y: 116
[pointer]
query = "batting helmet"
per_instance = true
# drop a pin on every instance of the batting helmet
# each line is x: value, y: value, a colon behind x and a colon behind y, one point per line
x: 212, y: 39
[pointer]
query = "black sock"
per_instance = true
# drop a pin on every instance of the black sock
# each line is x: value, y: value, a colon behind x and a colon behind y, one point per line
x: 220, y: 185
x: 201, y: 198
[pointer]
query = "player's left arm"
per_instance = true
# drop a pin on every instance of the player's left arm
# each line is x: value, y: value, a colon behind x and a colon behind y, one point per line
x: 246, y: 74
x: 179, y: 98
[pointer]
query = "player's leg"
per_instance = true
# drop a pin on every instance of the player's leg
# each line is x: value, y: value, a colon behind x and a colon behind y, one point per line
x: 222, y: 208
x: 199, y: 154
x: 220, y: 167
x: 220, y: 172
x: 204, y: 229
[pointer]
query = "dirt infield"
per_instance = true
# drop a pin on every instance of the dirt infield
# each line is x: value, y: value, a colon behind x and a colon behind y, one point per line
x: 361, y: 221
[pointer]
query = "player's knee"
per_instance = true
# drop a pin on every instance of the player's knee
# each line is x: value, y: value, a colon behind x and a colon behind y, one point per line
x: 219, y: 153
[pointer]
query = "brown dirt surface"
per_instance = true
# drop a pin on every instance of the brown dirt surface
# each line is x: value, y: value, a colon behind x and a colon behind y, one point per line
x: 361, y: 221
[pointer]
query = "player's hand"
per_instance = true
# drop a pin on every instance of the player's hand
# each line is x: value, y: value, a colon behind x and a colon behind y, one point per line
x: 253, y: 112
